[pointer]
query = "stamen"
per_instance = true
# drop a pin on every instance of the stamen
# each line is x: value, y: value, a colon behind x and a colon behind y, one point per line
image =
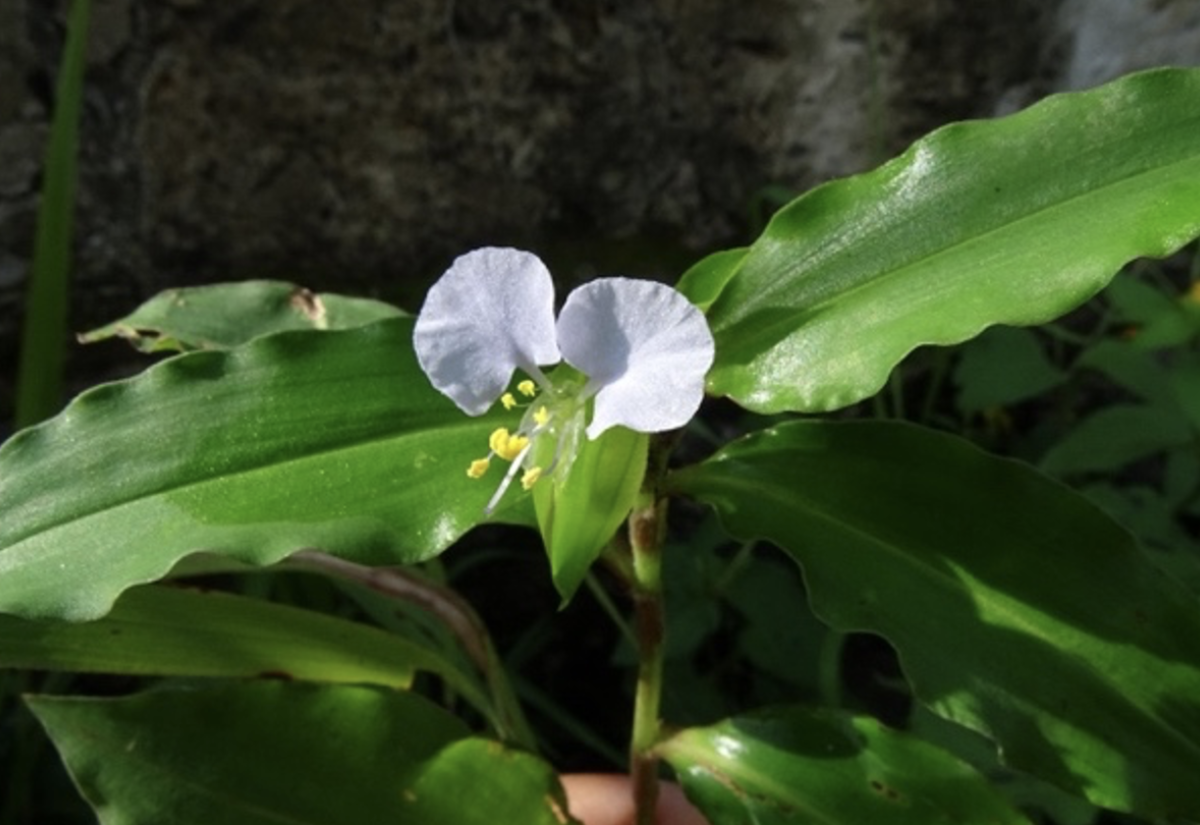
x: 514, y: 447
x: 539, y: 380
x: 506, y: 445
x: 530, y: 478
x: 508, y: 477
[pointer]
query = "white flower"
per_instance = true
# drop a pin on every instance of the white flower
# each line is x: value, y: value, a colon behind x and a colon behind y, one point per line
x: 641, y: 346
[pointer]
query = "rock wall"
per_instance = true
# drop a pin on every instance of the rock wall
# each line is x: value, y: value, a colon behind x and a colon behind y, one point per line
x: 358, y: 146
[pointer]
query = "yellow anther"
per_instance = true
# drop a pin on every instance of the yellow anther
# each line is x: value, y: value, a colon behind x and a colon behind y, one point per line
x: 506, y: 445
x: 530, y: 477
x: 478, y: 467
x: 514, y: 447
x: 527, y: 388
x: 498, y: 439
x: 541, y: 416
x: 508, y: 401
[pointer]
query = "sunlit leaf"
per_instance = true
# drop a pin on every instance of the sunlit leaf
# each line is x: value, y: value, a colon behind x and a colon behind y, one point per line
x: 1011, y: 221
x: 799, y: 765
x: 333, y: 440
x: 1018, y: 609
x: 220, y: 316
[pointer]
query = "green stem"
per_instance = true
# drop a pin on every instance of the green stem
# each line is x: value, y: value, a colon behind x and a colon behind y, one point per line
x: 647, y: 528
x: 646, y: 525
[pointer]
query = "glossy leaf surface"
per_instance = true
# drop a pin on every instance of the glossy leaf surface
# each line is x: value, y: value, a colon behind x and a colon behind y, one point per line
x: 1018, y: 608
x: 332, y: 440
x: 171, y: 631
x: 272, y: 752
x: 220, y: 316
x: 1009, y: 221
x: 799, y: 765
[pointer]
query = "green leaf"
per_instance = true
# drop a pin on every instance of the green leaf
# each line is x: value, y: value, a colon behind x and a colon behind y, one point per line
x: 1144, y: 512
x: 44, y: 332
x: 1185, y: 382
x: 705, y: 280
x: 1136, y: 301
x: 798, y: 765
x: 1114, y: 436
x: 1160, y: 320
x: 1017, y: 608
x: 1032, y: 796
x: 274, y: 752
x: 332, y: 440
x: 480, y: 782
x: 1135, y: 369
x: 169, y: 631
x: 1003, y: 366
x: 1009, y: 221
x: 769, y: 597
x: 221, y: 316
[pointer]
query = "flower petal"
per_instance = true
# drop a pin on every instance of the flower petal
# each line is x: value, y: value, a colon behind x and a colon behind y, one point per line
x: 490, y: 313
x: 644, y: 346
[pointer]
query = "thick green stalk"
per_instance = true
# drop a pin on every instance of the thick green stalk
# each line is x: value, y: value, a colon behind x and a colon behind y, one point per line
x: 645, y: 539
x: 647, y: 528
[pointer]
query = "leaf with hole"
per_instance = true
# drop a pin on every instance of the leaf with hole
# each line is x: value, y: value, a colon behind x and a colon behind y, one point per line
x: 1017, y: 607
x: 799, y: 765
x: 220, y: 316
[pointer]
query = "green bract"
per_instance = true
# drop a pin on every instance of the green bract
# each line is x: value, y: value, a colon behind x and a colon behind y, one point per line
x: 580, y: 508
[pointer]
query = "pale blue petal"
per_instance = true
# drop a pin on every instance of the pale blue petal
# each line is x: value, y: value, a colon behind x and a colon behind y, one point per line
x: 644, y: 348
x: 491, y: 313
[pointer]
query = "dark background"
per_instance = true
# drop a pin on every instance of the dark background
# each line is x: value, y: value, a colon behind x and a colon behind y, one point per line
x: 359, y: 146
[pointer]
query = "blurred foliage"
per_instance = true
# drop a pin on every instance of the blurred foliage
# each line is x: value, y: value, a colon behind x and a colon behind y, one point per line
x: 1107, y: 400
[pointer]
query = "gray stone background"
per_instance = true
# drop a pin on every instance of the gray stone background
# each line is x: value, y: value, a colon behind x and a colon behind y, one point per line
x: 358, y: 146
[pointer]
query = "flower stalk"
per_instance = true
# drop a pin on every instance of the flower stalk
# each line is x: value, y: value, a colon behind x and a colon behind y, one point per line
x: 647, y: 529
x: 645, y: 538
